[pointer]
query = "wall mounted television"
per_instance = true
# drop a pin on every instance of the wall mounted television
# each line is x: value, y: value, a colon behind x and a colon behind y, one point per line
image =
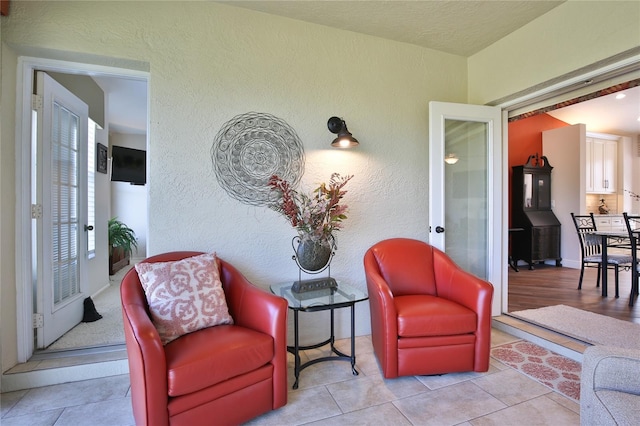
x: 128, y: 165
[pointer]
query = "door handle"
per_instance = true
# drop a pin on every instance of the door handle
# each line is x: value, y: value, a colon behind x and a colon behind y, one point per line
x: 439, y: 229
x: 88, y: 227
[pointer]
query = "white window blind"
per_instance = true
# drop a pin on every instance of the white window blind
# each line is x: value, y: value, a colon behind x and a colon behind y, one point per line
x: 91, y: 190
x: 64, y: 187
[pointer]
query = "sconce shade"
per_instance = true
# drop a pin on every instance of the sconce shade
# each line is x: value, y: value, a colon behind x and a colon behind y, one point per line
x: 345, y: 139
x: 451, y: 159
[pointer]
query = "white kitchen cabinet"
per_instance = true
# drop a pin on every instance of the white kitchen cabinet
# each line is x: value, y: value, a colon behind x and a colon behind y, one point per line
x: 601, y: 170
x: 609, y: 222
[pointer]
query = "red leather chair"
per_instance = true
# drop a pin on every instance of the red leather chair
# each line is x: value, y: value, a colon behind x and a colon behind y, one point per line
x: 428, y: 316
x: 184, y: 382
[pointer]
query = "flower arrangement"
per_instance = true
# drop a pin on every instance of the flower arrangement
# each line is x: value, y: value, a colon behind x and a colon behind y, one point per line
x: 315, y: 216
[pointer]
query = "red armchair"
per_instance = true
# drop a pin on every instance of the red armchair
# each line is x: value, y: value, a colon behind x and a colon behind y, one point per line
x: 185, y: 382
x: 428, y: 316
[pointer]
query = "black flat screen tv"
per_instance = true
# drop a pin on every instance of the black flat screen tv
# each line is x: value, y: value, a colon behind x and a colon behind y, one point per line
x: 128, y: 165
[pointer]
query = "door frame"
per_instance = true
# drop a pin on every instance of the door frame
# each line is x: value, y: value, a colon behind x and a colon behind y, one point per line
x: 604, y: 73
x: 24, y: 89
x: 491, y: 116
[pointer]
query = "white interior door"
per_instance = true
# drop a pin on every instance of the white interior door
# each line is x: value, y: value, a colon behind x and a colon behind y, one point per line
x: 465, y: 187
x: 59, y: 198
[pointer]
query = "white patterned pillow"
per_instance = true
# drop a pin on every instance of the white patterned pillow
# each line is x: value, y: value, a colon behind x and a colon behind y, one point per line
x: 184, y: 296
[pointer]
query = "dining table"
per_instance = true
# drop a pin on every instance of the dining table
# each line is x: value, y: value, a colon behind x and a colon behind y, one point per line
x: 610, y: 239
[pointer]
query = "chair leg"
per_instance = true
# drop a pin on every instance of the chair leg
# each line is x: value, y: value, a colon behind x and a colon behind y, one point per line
x: 581, y: 275
x: 617, y: 287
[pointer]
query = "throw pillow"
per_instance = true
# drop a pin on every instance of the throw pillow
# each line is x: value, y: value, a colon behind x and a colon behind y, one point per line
x: 184, y: 296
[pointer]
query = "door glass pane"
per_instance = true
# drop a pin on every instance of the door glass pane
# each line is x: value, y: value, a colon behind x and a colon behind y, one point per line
x: 64, y: 190
x: 466, y: 194
x: 544, y: 192
x: 528, y: 190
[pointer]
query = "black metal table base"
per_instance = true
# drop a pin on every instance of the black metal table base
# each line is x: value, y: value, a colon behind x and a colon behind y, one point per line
x: 340, y: 356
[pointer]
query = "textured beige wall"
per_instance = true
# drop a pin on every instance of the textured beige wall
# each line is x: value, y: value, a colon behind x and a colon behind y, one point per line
x: 571, y: 36
x: 210, y: 62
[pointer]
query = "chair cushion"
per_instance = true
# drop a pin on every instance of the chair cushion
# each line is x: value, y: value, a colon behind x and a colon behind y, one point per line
x: 424, y: 315
x: 212, y: 355
x: 185, y: 295
x: 619, y: 259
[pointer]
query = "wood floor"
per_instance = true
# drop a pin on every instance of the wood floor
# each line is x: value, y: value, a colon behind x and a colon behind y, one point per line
x: 548, y: 285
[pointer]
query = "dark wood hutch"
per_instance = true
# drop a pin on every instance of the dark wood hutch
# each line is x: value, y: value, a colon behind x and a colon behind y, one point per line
x: 539, y: 239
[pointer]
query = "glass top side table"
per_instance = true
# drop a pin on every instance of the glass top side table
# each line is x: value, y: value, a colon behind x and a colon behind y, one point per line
x: 320, y: 300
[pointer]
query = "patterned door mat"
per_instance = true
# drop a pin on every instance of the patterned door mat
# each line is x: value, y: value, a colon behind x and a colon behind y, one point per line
x: 552, y: 370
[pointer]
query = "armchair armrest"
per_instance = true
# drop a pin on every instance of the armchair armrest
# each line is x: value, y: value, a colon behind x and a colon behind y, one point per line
x: 384, y: 326
x: 259, y: 310
x: 145, y: 354
x: 609, y: 369
x: 460, y: 286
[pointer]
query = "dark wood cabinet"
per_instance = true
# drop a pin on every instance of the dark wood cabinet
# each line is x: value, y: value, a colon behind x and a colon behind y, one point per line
x: 539, y: 239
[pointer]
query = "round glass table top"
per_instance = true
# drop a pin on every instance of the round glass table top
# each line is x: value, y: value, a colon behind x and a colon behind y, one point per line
x: 343, y: 295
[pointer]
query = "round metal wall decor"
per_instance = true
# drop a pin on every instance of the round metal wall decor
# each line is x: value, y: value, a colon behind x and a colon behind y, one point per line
x: 249, y: 149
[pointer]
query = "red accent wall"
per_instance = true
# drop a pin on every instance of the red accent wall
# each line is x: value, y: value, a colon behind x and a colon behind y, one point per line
x: 525, y: 139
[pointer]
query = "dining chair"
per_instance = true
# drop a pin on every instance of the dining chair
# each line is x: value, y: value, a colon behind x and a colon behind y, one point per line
x: 591, y: 248
x: 633, y: 228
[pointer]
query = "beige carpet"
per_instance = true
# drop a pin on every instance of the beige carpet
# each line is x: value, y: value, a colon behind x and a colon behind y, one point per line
x: 583, y: 325
x: 106, y: 331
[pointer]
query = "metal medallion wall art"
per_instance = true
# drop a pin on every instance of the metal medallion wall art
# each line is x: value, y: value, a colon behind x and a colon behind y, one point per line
x: 249, y: 149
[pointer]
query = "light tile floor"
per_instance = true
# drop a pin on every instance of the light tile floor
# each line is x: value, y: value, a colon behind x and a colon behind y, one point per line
x: 329, y: 394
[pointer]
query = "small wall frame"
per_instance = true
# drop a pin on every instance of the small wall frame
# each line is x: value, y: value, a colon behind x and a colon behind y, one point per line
x: 101, y: 158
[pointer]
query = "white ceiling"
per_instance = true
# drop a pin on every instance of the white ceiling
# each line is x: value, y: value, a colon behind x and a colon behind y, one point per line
x: 606, y: 114
x: 456, y: 27
x: 127, y: 105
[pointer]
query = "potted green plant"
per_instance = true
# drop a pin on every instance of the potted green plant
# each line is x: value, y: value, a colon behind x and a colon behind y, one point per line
x: 122, y: 240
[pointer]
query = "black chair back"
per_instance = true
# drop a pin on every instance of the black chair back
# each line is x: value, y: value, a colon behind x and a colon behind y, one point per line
x: 633, y: 228
x: 590, y: 245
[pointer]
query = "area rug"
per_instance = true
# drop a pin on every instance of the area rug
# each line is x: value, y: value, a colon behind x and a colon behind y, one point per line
x: 106, y: 331
x: 555, y: 371
x: 583, y: 325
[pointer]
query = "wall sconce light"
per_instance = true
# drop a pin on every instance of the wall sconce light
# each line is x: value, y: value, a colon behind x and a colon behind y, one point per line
x: 451, y: 159
x: 345, y: 139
